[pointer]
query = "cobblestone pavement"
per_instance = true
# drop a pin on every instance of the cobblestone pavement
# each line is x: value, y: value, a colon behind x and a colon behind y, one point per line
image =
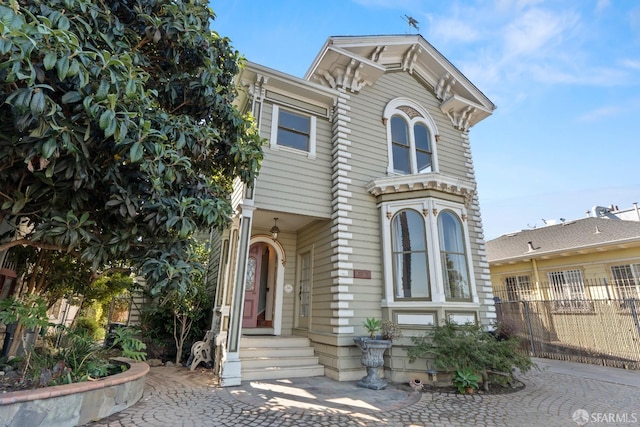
x: 553, y: 396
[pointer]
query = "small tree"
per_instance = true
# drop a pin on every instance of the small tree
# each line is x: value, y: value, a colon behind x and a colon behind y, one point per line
x: 190, y: 306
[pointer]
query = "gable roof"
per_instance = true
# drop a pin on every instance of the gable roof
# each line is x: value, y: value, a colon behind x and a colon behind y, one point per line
x: 352, y: 62
x: 583, y: 235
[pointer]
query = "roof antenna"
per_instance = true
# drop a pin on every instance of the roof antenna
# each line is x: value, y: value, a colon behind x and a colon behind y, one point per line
x: 411, y: 21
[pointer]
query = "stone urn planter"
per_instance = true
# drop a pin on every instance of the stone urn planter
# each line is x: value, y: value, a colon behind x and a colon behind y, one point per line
x: 372, y: 359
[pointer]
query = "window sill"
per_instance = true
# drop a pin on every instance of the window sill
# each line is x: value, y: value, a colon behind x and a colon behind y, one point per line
x: 430, y: 304
x: 424, y: 181
x: 276, y: 147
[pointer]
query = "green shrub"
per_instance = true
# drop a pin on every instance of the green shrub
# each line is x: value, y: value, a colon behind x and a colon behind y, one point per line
x: 131, y: 347
x: 468, y: 347
x: 79, y: 358
x: 88, y: 326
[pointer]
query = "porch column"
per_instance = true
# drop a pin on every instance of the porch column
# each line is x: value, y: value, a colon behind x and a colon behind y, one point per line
x: 231, y: 369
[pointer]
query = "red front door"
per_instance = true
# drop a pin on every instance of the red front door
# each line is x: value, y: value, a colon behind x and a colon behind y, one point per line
x: 252, y: 286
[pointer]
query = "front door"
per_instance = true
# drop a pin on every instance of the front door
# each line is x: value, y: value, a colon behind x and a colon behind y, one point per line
x: 258, y: 297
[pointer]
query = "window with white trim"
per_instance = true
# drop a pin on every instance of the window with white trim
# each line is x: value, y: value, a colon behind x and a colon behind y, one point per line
x: 453, y: 256
x: 305, y: 284
x: 293, y: 130
x: 567, y: 289
x: 411, y: 133
x: 626, y: 280
x: 409, y: 255
x: 411, y: 149
x: 426, y: 249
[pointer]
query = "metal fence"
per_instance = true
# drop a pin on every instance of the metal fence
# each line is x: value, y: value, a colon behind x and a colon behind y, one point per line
x: 588, y: 321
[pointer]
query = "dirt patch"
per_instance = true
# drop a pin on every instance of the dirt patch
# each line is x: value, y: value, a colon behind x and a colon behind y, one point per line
x: 494, y: 389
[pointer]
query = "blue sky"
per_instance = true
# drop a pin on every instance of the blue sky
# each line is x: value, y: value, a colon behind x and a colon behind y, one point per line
x: 564, y: 74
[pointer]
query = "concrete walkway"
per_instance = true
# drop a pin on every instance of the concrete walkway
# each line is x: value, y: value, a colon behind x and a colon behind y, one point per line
x: 558, y: 394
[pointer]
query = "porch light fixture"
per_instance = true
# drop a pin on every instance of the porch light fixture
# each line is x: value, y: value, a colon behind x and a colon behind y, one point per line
x: 275, y: 230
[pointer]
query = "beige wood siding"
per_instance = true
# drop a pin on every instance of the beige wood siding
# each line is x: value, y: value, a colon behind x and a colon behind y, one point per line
x: 318, y: 235
x: 292, y: 182
x: 369, y: 150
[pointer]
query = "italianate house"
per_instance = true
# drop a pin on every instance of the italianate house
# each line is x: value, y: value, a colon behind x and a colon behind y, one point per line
x: 365, y: 206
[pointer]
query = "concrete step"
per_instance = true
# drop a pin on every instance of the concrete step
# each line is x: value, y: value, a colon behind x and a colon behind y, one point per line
x: 275, y: 373
x: 270, y: 357
x: 275, y: 352
x: 271, y: 362
x: 273, y: 341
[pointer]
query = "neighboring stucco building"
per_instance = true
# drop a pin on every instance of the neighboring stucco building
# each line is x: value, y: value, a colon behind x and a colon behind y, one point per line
x: 368, y: 181
x: 561, y: 259
x: 572, y: 289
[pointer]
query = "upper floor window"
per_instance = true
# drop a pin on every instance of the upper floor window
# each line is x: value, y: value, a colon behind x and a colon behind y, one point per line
x: 411, y: 133
x: 453, y: 255
x: 294, y: 130
x: 411, y: 148
x: 409, y: 255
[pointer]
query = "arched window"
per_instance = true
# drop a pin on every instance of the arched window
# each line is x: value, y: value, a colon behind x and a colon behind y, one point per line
x: 453, y: 256
x: 409, y: 256
x: 411, y: 132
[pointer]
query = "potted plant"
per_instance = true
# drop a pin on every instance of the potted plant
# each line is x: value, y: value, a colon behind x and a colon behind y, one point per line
x: 466, y: 381
x: 373, y: 348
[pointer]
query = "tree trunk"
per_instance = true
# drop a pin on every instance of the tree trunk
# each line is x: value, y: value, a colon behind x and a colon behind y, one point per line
x: 185, y: 327
x: 17, y: 339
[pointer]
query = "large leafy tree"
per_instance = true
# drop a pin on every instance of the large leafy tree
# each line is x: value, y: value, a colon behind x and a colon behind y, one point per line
x: 118, y: 137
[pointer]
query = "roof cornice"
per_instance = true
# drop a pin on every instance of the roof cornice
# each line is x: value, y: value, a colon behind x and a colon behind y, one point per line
x: 351, y: 63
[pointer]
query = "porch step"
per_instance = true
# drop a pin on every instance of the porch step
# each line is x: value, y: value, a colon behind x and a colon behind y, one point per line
x: 271, y: 357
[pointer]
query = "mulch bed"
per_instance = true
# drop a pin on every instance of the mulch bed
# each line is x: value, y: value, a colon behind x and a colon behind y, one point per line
x: 494, y: 389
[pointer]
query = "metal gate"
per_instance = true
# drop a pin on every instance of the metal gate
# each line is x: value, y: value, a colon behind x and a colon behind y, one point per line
x: 599, y: 331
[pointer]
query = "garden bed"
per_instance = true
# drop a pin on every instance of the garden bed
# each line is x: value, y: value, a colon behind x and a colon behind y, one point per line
x: 494, y: 389
x: 77, y: 403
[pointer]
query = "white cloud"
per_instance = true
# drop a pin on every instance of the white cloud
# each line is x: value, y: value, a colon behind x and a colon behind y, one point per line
x: 536, y: 31
x: 453, y: 29
x: 409, y: 5
x: 599, y: 113
x: 602, y: 5
x: 557, y: 73
x: 515, y: 4
x: 631, y: 63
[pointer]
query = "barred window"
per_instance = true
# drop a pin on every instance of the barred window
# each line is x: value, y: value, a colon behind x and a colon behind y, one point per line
x: 518, y: 288
x: 626, y: 281
x: 567, y: 289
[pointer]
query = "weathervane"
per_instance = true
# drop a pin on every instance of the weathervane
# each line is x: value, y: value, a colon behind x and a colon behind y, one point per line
x: 412, y: 22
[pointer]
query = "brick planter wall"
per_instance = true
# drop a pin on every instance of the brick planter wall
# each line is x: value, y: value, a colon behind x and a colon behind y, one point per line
x: 74, y: 404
